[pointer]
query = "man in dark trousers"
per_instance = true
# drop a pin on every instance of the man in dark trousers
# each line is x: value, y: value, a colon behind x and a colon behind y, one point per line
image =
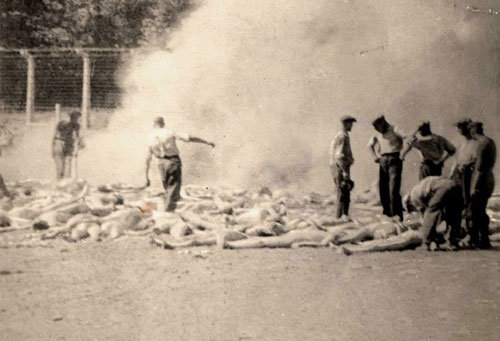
x: 482, y: 186
x: 461, y: 172
x: 434, y: 150
x: 65, y: 143
x: 341, y: 160
x: 162, y: 145
x: 386, y: 147
x: 438, y: 199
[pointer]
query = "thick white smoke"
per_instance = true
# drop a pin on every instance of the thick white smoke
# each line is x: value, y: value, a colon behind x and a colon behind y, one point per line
x: 267, y: 81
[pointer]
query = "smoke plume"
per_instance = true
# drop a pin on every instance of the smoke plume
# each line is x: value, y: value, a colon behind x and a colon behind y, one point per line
x: 267, y: 81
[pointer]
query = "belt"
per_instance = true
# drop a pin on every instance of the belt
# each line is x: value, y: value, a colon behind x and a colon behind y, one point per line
x: 432, y: 163
x: 396, y: 154
x: 166, y: 157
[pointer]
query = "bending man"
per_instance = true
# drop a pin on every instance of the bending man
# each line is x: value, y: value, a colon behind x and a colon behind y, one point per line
x: 163, y: 146
x: 438, y: 199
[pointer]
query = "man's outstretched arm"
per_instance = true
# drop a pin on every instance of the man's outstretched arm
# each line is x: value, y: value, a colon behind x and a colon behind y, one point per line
x: 200, y: 140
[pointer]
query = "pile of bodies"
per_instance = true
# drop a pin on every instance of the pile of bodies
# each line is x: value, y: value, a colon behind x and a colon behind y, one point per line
x: 227, y: 218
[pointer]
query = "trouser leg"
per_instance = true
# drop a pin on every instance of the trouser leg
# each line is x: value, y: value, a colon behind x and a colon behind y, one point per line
x: 59, y: 161
x: 453, y: 213
x: 67, y: 166
x: 395, y: 170
x: 347, y: 201
x: 171, y: 174
x: 434, y: 213
x: 343, y: 195
x: 479, y: 232
x: 383, y: 185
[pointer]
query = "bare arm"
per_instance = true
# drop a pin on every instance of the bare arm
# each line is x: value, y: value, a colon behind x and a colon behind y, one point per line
x: 372, y: 144
x: 149, y: 156
x: 408, y: 146
x: 200, y: 140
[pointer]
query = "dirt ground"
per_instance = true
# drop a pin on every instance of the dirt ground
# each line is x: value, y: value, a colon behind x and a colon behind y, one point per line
x: 129, y: 290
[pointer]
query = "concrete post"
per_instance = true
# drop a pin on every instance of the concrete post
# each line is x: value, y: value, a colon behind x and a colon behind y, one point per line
x: 30, y: 86
x: 58, y: 112
x: 85, y: 90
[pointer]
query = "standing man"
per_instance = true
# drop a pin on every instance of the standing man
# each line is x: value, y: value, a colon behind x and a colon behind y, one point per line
x: 66, y: 143
x: 162, y: 145
x: 341, y: 161
x: 386, y: 147
x: 461, y: 172
x: 438, y: 199
x: 482, y: 186
x: 434, y: 150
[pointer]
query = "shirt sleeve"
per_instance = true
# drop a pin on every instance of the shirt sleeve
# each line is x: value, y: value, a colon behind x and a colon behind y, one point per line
x: 338, y: 147
x: 331, y: 153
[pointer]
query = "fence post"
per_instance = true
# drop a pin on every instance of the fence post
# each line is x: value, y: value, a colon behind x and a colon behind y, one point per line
x: 58, y: 112
x: 30, y: 85
x: 85, y: 89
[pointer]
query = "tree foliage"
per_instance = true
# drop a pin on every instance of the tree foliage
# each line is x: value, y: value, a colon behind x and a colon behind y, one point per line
x: 87, y: 23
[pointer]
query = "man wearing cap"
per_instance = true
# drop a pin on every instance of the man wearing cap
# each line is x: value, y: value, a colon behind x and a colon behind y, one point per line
x: 482, y: 186
x: 341, y: 160
x: 162, y: 145
x: 65, y: 143
x: 438, y: 199
x: 434, y: 150
x: 386, y: 147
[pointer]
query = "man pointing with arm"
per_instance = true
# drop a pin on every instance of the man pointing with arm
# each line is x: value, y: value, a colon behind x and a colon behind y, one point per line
x: 162, y: 145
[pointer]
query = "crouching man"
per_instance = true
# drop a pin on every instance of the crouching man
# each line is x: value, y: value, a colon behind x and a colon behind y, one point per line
x: 438, y: 199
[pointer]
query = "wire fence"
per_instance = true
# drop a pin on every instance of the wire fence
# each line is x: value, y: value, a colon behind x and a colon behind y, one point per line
x: 57, y: 77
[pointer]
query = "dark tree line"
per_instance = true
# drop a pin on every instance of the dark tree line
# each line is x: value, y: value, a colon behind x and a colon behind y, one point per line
x: 87, y: 23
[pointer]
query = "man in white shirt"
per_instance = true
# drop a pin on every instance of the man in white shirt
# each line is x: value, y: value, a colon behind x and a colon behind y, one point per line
x: 162, y: 145
x: 386, y: 147
x: 341, y: 160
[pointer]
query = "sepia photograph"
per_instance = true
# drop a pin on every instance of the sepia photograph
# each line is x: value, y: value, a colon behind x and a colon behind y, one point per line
x: 249, y: 170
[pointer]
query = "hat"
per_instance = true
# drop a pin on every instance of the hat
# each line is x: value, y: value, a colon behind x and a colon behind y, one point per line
x: 159, y: 121
x: 347, y: 118
x: 380, y: 124
x: 466, y: 122
x: 425, y: 128
x: 347, y: 184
